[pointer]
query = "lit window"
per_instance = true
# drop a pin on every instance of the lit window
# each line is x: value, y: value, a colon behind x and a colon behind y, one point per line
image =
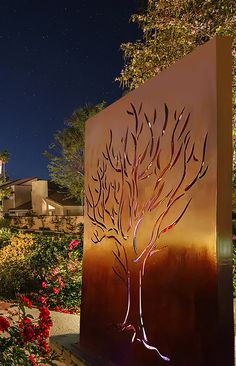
x: 51, y: 207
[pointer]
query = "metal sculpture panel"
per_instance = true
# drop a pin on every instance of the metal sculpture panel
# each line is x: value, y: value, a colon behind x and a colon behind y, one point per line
x: 151, y: 278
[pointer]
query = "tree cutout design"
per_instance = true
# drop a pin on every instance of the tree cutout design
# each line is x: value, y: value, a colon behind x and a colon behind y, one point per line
x: 149, y: 172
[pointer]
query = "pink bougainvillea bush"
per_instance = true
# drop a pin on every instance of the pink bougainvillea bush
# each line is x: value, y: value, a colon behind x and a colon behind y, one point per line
x: 24, y: 339
x: 48, y: 269
x: 61, y: 282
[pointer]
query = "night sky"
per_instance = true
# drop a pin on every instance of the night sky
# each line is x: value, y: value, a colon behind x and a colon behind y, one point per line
x: 56, y: 55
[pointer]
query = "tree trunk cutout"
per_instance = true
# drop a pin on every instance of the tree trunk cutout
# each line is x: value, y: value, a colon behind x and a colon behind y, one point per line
x: 115, y: 195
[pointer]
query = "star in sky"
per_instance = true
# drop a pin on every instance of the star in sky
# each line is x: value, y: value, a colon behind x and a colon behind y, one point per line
x: 55, y: 57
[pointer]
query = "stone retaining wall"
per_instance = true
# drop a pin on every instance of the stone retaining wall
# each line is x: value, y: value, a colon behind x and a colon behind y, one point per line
x: 58, y: 223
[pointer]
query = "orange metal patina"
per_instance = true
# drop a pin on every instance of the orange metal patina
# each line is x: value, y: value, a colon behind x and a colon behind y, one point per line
x: 157, y: 223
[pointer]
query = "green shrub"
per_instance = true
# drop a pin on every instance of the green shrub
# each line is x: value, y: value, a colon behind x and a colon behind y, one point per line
x: 5, y: 236
x: 29, y: 259
x: 61, y: 285
x: 15, y: 267
x: 49, y: 250
x: 4, y: 222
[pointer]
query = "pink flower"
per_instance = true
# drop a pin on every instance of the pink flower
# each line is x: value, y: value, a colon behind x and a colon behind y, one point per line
x: 65, y: 311
x: 44, y: 285
x: 55, y: 290
x: 71, y: 267
x: 26, y: 301
x: 4, y: 324
x: 234, y: 237
x: 45, y: 346
x: 61, y: 283
x: 61, y: 310
x: 32, y: 360
x: 73, y: 244
x: 27, y: 321
x: 55, y: 271
x: 42, y: 300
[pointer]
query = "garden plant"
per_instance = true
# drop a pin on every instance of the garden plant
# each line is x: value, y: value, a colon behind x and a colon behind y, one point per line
x: 24, y: 339
x: 29, y: 261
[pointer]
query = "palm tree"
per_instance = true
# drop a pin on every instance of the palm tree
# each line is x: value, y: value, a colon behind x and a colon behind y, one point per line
x: 4, y: 158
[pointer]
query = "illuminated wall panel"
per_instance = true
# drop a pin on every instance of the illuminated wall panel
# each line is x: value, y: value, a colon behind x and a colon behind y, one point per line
x: 157, y: 258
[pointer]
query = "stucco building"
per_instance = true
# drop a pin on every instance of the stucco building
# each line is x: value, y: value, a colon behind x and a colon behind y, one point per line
x: 40, y: 197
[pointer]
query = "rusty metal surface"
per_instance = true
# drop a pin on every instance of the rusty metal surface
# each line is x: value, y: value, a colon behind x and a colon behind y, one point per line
x: 155, y: 235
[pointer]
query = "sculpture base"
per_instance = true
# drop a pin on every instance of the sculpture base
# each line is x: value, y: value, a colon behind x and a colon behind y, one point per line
x: 68, y: 349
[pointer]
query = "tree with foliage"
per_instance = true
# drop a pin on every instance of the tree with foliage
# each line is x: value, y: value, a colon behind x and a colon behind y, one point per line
x: 4, y: 158
x: 4, y: 192
x: 66, y: 153
x: 171, y: 29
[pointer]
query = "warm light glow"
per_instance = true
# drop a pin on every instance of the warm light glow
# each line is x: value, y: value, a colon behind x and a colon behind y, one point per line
x: 51, y: 207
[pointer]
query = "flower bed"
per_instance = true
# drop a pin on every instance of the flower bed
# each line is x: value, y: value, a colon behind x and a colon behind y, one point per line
x: 25, y: 341
x: 46, y: 268
x: 61, y: 284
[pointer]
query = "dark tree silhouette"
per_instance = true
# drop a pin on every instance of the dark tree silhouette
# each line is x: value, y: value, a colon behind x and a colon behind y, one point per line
x: 150, y: 173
